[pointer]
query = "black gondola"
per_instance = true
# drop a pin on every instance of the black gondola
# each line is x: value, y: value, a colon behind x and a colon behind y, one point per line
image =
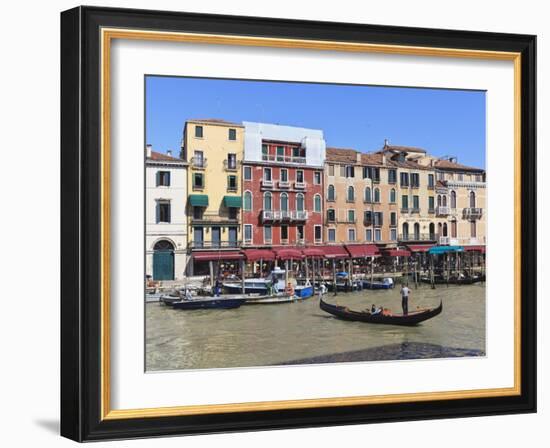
x: 439, y: 280
x: 413, y: 318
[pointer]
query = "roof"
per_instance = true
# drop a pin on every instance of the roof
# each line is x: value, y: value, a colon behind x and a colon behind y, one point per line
x: 445, y: 164
x: 165, y: 157
x: 214, y: 121
x: 342, y: 155
x: 403, y: 149
x: 371, y: 159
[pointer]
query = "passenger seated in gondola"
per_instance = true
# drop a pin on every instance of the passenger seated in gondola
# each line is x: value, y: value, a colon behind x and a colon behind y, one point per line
x: 372, y: 309
x: 377, y: 311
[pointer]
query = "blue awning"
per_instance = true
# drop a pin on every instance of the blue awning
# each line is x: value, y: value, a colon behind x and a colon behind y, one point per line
x: 439, y: 250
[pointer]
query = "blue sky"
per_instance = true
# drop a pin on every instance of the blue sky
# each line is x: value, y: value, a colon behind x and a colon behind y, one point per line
x: 444, y: 122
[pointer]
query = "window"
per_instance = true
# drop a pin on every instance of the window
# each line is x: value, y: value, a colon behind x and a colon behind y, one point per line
x: 431, y: 203
x: 444, y: 200
x: 351, y: 215
x: 460, y: 176
x: 430, y: 180
x: 331, y: 233
x: 351, y: 234
x: 247, y: 173
x: 375, y: 174
x: 377, y: 234
x: 453, y: 229
x: 405, y: 202
x: 367, y: 174
x: 198, y: 131
x: 330, y: 193
x: 453, y: 199
x: 300, y: 233
x: 248, y: 233
x: 349, y: 171
x: 265, y: 152
x: 405, y: 231
x: 283, y: 175
x: 300, y: 202
x: 393, y: 234
x: 472, y: 199
x: 318, y: 234
x: 404, y: 177
x: 267, y: 174
x: 198, y: 159
x: 378, y: 219
x: 317, y: 178
x: 284, y: 233
x: 163, y: 213
x: 331, y: 215
x: 163, y: 178
x: 368, y: 197
x: 317, y: 203
x: 247, y: 203
x: 416, y: 202
x: 367, y: 218
x: 232, y: 183
x: 233, y: 212
x: 331, y: 170
x: 377, y: 195
x: 280, y: 153
x: 392, y: 176
x: 473, y: 231
x: 368, y: 235
x: 232, y: 134
x: 267, y: 234
x: 232, y: 161
x: 267, y: 200
x: 351, y: 194
x: 300, y: 176
x: 415, y: 180
x: 393, y: 219
x: 284, y: 202
x: 393, y: 198
x: 416, y: 231
x: 198, y: 180
x: 197, y: 212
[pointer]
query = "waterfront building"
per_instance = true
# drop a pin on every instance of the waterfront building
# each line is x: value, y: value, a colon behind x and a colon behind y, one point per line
x: 165, y: 216
x: 214, y: 150
x: 282, y: 185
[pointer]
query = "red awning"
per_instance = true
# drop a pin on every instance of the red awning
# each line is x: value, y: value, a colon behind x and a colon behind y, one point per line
x: 419, y: 247
x: 334, y: 252
x: 474, y: 249
x: 219, y: 255
x: 287, y: 253
x: 313, y: 252
x: 258, y: 254
x: 362, y: 250
x: 397, y: 253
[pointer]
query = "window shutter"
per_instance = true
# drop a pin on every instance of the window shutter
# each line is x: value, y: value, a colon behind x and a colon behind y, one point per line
x: 168, y: 178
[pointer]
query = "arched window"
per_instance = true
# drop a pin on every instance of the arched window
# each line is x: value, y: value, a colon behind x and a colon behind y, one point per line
x: 416, y: 231
x: 368, y: 195
x: 445, y: 229
x: 330, y: 195
x: 439, y: 200
x: 351, y: 194
x: 300, y: 202
x: 377, y: 195
x: 432, y: 231
x: 439, y: 229
x: 405, y: 231
x: 472, y: 199
x: 284, y: 202
x: 267, y: 201
x: 163, y: 245
x: 393, y: 198
x: 453, y: 199
x: 444, y: 201
x: 317, y: 203
x: 247, y: 203
x: 453, y: 229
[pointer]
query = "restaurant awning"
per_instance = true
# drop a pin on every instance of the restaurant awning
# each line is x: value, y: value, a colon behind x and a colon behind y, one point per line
x: 438, y: 250
x: 335, y: 252
x: 475, y: 249
x: 198, y: 200
x: 362, y: 250
x: 217, y: 255
x: 258, y: 254
x: 419, y: 247
x: 232, y: 201
x: 313, y: 252
x: 397, y: 253
x: 287, y: 253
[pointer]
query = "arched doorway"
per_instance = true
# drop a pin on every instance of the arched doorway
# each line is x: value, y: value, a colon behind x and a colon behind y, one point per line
x: 432, y: 231
x: 405, y: 231
x: 163, y: 260
x: 416, y: 231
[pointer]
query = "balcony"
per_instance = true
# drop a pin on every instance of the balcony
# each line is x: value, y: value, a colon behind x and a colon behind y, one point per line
x: 284, y: 184
x: 267, y: 183
x: 198, y: 163
x: 431, y: 211
x: 300, y: 185
x: 283, y: 215
x: 298, y: 215
x: 415, y: 210
x: 404, y: 209
x: 213, y: 244
x: 283, y: 159
x: 417, y: 237
x: 472, y: 213
x: 231, y: 165
x: 441, y: 211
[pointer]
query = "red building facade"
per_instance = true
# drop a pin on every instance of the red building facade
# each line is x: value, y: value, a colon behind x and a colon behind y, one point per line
x: 282, y: 198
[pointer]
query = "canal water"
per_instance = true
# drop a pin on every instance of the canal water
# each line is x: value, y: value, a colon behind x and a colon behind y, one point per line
x: 300, y: 332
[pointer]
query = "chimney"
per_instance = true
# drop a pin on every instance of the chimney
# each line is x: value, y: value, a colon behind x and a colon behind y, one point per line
x: 148, y: 150
x: 169, y: 152
x: 386, y: 143
x: 383, y: 158
x: 358, y: 156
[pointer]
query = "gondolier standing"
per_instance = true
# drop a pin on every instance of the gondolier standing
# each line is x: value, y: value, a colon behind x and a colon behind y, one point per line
x: 405, y: 291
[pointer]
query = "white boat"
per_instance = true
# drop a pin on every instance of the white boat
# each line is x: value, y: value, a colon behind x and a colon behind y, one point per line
x: 258, y: 285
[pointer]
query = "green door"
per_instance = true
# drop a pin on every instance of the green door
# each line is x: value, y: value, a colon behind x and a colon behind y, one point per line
x: 163, y: 265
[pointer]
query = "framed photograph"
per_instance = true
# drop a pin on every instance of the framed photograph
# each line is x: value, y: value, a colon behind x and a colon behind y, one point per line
x: 274, y: 223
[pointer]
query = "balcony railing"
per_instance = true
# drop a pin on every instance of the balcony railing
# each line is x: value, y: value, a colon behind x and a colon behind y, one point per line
x: 283, y: 215
x: 441, y: 211
x: 283, y: 159
x: 472, y: 213
x: 415, y: 210
x: 213, y: 244
x: 267, y: 183
x: 231, y: 165
x: 431, y: 211
x: 198, y: 163
x: 284, y: 184
x: 417, y: 237
x: 300, y: 185
x: 461, y: 241
x: 405, y: 209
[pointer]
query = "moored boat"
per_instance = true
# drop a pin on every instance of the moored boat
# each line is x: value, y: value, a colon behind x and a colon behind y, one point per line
x: 386, y: 283
x: 412, y: 318
x: 269, y: 299
x: 466, y: 280
x: 275, y: 281
x: 208, y: 303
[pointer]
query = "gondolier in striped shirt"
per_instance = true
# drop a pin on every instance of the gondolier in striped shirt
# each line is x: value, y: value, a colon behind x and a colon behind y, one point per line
x: 405, y: 291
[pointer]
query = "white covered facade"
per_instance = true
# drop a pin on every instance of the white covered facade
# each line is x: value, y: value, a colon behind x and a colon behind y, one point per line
x: 165, y: 217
